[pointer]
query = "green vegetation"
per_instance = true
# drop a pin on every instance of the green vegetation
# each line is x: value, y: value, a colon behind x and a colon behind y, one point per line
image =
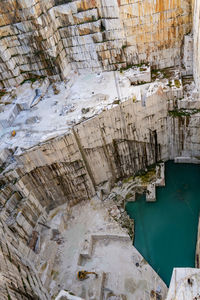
x: 116, y: 102
x: 126, y: 180
x: 157, y: 72
x: 80, y: 9
x: 43, y: 267
x: 125, y: 68
x: 183, y: 112
x: 170, y: 84
x: 38, y: 52
x: 134, y: 99
x: 54, y: 274
x: 141, y: 66
x: 88, y: 21
x: 142, y: 69
x: 85, y: 110
x: 32, y: 79
x: 124, y: 46
x: 139, y: 83
x: 148, y: 176
x: 2, y: 92
x: 177, y: 83
x: 129, y: 195
x: 9, y: 298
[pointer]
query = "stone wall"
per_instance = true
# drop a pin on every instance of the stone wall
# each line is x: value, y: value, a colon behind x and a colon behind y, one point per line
x: 48, y: 38
x: 196, y: 33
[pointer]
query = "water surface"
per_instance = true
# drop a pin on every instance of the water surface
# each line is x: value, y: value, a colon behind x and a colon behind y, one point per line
x: 166, y: 230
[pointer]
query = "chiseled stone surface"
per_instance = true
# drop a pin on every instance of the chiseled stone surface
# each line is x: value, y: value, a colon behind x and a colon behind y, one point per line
x: 196, y: 33
x: 18, y: 217
x: 50, y: 37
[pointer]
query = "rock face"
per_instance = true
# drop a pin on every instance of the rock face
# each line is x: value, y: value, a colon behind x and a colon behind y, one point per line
x: 18, y: 217
x: 48, y: 38
x: 115, y: 144
x: 196, y: 32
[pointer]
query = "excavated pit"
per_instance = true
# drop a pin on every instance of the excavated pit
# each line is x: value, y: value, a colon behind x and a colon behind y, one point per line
x: 94, y: 96
x: 47, y: 183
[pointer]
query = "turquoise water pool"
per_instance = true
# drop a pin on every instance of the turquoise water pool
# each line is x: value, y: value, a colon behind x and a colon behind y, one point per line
x: 166, y: 230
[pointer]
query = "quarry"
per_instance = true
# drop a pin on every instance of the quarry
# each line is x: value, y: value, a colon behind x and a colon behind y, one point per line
x: 97, y: 97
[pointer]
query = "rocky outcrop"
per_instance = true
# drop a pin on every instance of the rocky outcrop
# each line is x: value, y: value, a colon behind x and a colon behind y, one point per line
x: 48, y: 38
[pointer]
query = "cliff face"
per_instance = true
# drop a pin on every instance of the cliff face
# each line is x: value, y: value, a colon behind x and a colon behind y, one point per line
x: 115, y: 144
x: 51, y: 37
x: 196, y: 33
x: 18, y: 217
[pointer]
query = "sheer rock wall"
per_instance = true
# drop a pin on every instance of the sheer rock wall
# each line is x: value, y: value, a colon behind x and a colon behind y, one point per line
x: 19, y: 213
x: 49, y: 38
x: 46, y: 37
x: 115, y: 144
x: 196, y: 33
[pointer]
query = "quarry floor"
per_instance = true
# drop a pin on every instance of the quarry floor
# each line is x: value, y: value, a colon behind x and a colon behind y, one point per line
x: 91, y: 240
x: 89, y: 236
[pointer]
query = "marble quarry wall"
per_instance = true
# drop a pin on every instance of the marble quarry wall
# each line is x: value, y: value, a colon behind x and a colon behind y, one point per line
x: 115, y: 144
x: 196, y: 33
x: 18, y: 248
x: 48, y: 38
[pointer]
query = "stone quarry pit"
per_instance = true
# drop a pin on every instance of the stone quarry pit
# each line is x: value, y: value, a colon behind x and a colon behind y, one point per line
x: 95, y: 97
